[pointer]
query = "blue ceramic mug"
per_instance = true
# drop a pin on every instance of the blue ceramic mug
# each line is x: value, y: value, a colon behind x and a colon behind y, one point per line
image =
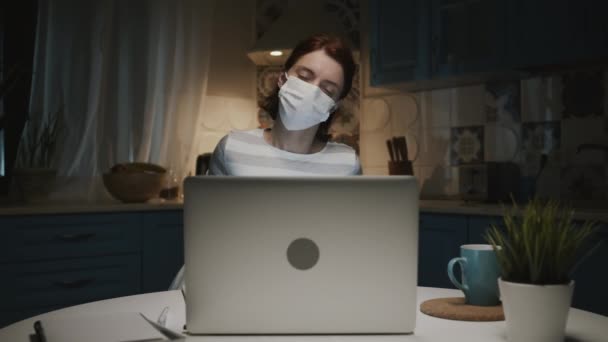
x: 480, y: 272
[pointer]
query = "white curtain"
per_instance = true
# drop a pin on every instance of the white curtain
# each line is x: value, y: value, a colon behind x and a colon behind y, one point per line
x: 131, y: 76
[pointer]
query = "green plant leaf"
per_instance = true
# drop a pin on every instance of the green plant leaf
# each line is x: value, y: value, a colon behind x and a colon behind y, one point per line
x: 540, y: 243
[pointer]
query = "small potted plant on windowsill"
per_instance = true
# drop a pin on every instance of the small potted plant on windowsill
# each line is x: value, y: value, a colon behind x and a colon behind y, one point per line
x: 539, y: 248
x: 35, y: 175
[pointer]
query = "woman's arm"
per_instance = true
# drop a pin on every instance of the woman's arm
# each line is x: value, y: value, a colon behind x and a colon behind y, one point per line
x: 217, y: 166
x: 357, y: 169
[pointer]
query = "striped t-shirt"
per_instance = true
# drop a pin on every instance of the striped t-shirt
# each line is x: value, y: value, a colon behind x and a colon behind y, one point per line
x: 246, y: 153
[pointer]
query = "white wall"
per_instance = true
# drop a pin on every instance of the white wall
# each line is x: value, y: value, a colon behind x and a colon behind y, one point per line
x: 231, y: 100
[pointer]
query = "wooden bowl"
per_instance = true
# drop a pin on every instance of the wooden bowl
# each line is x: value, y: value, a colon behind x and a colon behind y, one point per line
x: 135, y: 186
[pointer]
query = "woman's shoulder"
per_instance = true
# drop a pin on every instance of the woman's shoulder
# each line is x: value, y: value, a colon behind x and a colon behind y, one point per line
x: 344, y: 154
x: 243, y: 140
x: 337, y: 147
x: 246, y: 135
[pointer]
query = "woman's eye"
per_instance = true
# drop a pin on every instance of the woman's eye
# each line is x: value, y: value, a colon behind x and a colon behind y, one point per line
x: 328, y: 92
x: 304, y: 77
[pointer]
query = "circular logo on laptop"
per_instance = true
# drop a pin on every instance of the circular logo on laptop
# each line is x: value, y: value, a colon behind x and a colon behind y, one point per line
x: 303, y: 254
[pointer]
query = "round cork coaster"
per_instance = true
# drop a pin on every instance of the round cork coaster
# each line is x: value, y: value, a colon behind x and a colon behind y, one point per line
x: 456, y: 309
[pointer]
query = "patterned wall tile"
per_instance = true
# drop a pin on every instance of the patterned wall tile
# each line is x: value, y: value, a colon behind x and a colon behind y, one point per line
x: 438, y: 107
x: 502, y: 102
x: 541, y: 99
x: 435, y: 181
x: 434, y: 147
x: 379, y: 114
x: 539, y: 138
x: 548, y: 182
x: 466, y: 145
x: 583, y: 94
x: 581, y: 131
x: 405, y: 116
x: 467, y: 106
x: 502, y: 142
x: 584, y: 182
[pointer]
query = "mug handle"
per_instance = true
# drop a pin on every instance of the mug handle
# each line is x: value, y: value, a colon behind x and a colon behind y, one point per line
x: 462, y: 261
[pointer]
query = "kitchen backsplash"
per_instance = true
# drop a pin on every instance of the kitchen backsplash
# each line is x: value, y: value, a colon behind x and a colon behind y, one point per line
x: 519, y: 121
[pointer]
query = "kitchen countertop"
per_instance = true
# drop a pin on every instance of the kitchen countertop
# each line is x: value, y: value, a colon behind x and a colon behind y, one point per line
x: 494, y: 209
x: 87, y: 207
x: 426, y: 206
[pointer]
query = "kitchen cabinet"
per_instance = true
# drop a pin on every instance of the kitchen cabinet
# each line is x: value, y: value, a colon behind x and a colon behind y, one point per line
x: 48, y: 262
x: 420, y: 44
x: 591, y: 278
x: 557, y: 32
x: 469, y: 36
x: 440, y: 238
x: 416, y: 41
x: 163, y: 249
x: 399, y: 41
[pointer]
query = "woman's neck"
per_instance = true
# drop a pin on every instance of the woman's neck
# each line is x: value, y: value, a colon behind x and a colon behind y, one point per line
x: 302, y: 142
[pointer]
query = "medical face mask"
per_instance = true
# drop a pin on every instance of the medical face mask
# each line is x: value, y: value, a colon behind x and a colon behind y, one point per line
x: 303, y: 105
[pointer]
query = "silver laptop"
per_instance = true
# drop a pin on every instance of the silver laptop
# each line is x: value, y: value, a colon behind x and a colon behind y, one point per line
x: 331, y: 255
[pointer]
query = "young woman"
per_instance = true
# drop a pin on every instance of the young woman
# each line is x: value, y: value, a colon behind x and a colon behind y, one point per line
x: 317, y: 75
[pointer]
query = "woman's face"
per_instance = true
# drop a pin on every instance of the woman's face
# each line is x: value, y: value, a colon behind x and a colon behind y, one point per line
x: 321, y: 70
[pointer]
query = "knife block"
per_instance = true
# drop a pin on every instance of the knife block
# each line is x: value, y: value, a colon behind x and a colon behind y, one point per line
x: 400, y: 167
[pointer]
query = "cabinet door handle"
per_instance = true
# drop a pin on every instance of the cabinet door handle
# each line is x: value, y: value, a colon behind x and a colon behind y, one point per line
x: 75, y: 237
x: 74, y: 284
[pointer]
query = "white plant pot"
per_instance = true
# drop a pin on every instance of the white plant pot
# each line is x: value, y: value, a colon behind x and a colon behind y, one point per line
x: 535, y: 312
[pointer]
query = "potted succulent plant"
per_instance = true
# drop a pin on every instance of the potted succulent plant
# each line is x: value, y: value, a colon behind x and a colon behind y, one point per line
x: 539, y: 248
x: 35, y: 174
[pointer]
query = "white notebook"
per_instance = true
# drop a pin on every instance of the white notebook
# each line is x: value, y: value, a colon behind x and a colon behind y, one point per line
x: 101, y: 327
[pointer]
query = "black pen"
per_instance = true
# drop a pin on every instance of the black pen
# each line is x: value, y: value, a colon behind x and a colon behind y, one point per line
x: 39, y: 331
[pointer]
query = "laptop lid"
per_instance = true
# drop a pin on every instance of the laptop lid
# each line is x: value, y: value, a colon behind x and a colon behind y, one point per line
x: 322, y: 255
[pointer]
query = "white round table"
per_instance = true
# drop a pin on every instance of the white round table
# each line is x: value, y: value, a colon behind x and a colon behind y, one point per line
x: 582, y: 325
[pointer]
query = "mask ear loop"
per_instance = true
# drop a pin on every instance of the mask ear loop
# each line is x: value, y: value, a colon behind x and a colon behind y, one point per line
x: 282, y: 79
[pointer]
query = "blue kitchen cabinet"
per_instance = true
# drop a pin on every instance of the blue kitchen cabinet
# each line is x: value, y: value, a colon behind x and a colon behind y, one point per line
x: 548, y: 32
x: 534, y: 41
x: 163, y: 249
x: 49, y: 262
x: 468, y: 36
x: 439, y: 43
x: 399, y: 41
x: 440, y: 238
x: 42, y: 237
x: 557, y: 32
x: 421, y: 40
x: 53, y: 261
x: 479, y: 225
x: 591, y: 278
x: 33, y: 288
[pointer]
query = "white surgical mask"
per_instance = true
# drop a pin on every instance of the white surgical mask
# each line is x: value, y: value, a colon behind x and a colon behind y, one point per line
x: 303, y: 105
